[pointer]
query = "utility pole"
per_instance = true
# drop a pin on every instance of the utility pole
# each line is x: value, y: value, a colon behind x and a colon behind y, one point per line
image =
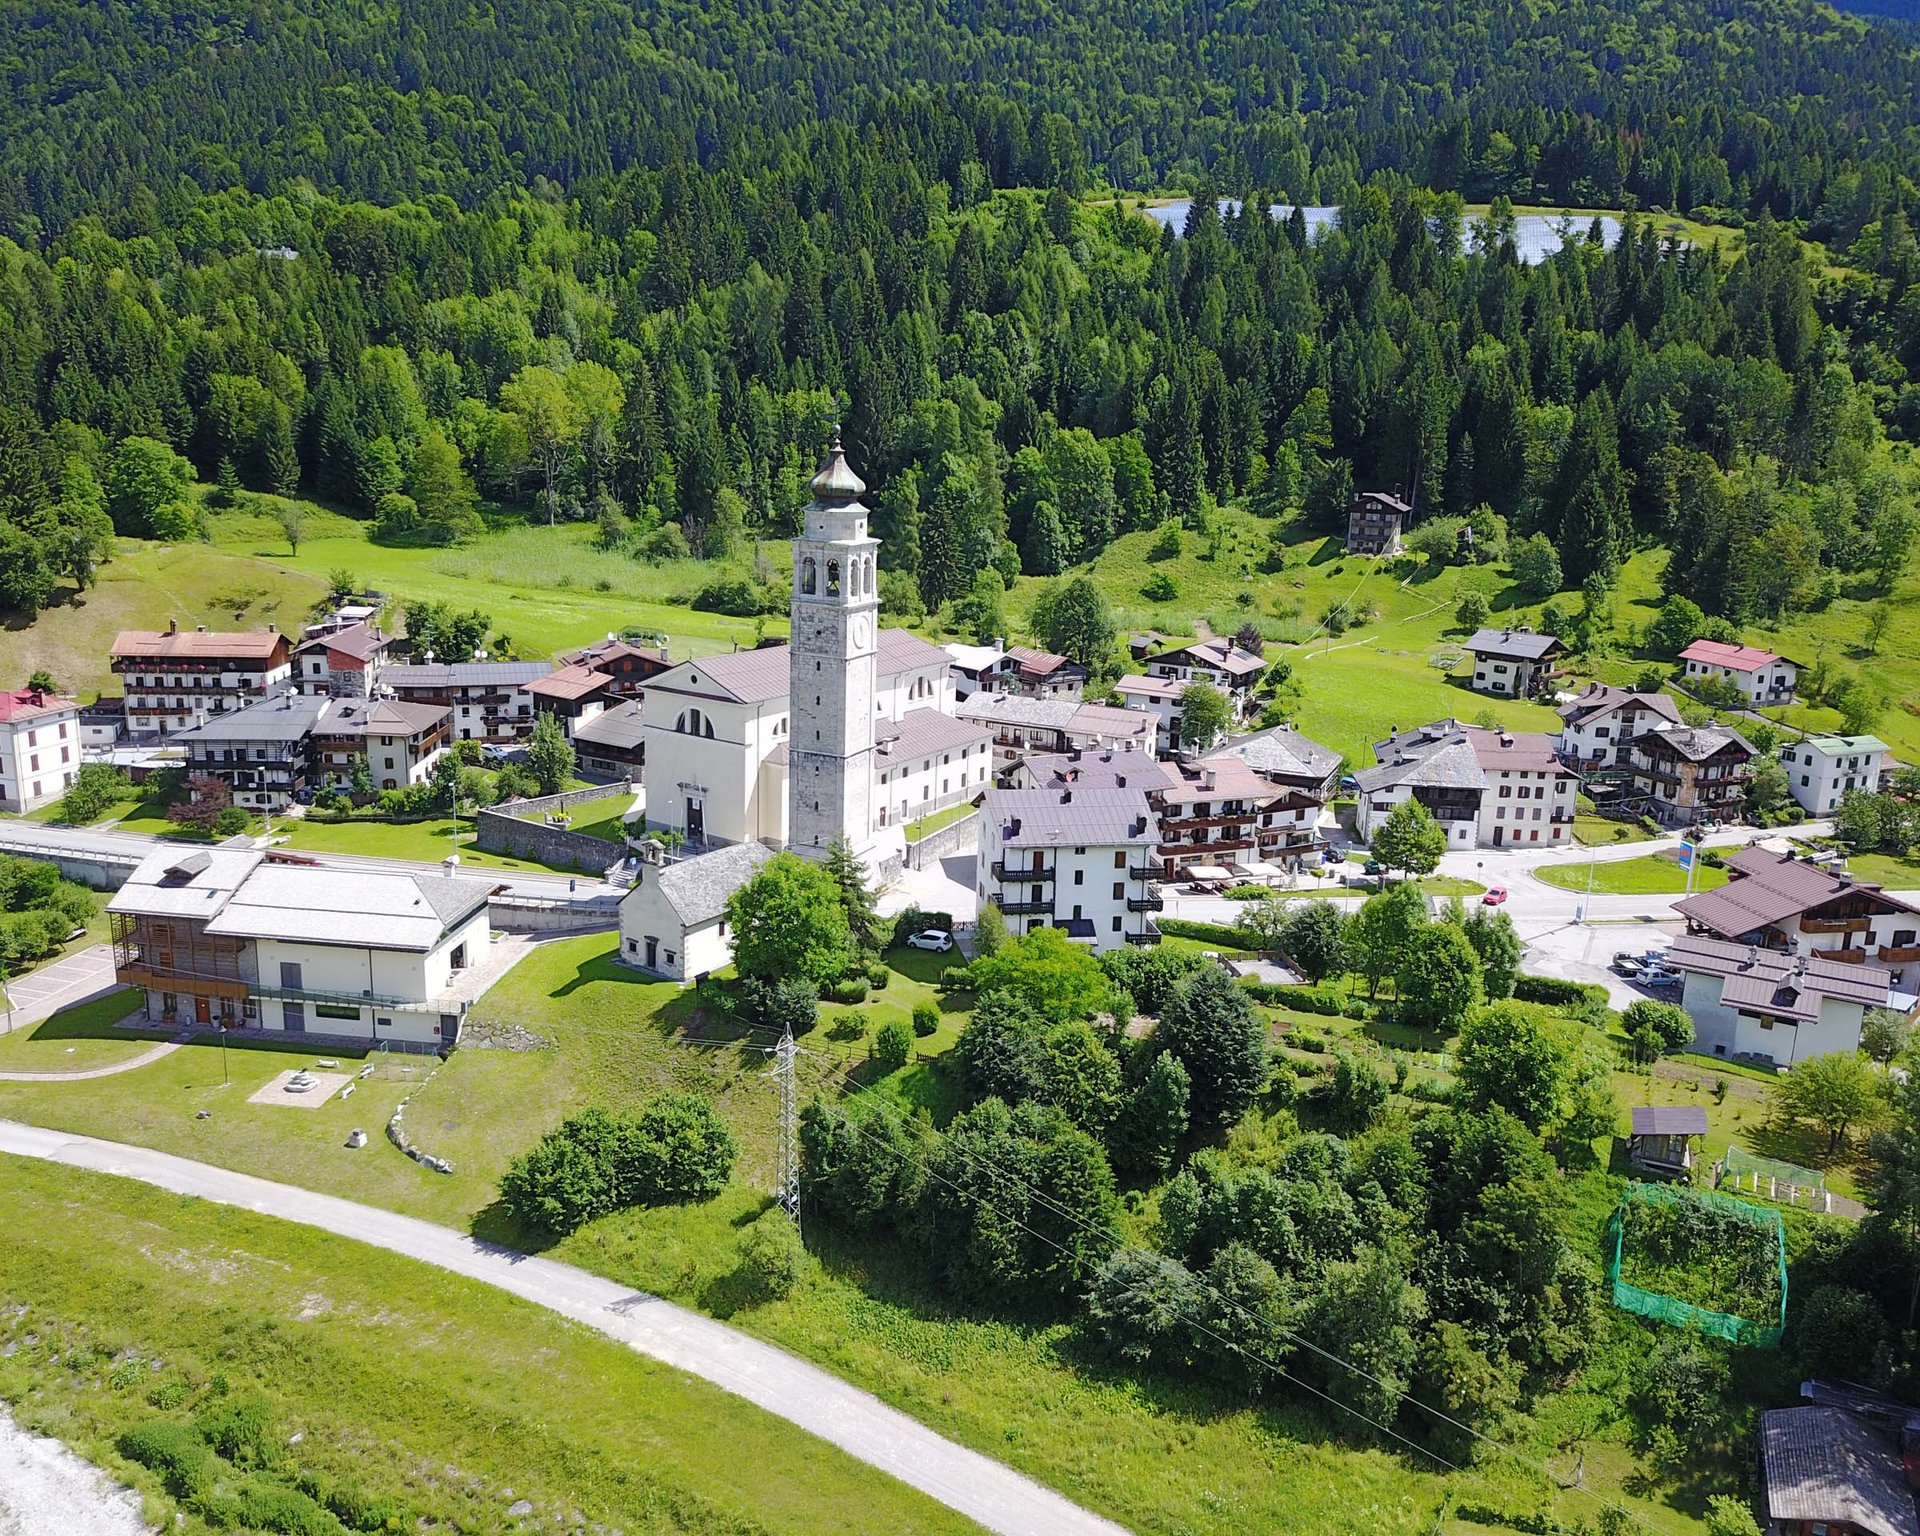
x: 787, y: 1187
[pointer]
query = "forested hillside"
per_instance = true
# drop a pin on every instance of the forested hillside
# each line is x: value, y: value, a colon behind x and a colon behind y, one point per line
x: 1676, y: 103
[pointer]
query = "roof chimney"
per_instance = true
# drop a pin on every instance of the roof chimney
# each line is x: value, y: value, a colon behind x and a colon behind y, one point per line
x: 173, y: 626
x: 1013, y: 827
x: 1066, y: 797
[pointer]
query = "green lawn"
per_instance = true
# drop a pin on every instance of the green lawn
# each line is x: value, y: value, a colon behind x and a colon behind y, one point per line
x: 77, y: 1039
x: 430, y: 840
x: 926, y: 824
x: 1599, y: 832
x: 337, y: 1337
x: 1652, y: 874
x: 1896, y: 874
x: 604, y: 819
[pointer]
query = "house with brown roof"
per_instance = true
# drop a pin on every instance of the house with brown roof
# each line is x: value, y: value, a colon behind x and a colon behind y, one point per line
x: 628, y: 664
x: 1221, y: 663
x: 1041, y: 674
x: 1827, y: 1472
x: 1692, y: 773
x: 1754, y: 1004
x: 1761, y: 675
x: 1598, y: 725
x: 1220, y: 810
x: 173, y: 677
x: 571, y: 694
x: 1781, y: 902
x: 345, y: 662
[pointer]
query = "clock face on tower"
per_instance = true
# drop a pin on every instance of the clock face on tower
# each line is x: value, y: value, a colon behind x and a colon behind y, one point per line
x: 862, y: 631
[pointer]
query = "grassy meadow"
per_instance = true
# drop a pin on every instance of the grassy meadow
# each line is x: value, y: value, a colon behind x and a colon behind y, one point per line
x: 174, y: 1304
x: 1159, y: 1455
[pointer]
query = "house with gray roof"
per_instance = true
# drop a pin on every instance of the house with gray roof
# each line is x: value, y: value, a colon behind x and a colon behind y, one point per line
x: 1075, y: 857
x: 1826, y: 1470
x: 488, y: 700
x: 262, y: 753
x: 673, y: 922
x: 1766, y: 1005
x: 1692, y: 773
x: 1515, y: 663
x: 239, y: 939
x: 1487, y: 788
x: 1598, y: 725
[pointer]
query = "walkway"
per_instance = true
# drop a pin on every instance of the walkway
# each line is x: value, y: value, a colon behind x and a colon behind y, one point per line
x: 999, y: 1498
x: 145, y: 1058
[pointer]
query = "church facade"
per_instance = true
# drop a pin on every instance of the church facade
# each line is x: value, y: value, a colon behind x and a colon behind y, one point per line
x: 847, y: 730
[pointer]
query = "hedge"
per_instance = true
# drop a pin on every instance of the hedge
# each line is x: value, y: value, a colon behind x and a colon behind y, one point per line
x: 1206, y: 933
x: 1555, y: 991
x: 1322, y: 1000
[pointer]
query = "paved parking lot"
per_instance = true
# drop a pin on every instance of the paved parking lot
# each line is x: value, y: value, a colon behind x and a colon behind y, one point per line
x: 61, y: 983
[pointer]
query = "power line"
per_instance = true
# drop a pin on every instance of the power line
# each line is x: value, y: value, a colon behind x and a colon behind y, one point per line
x: 1289, y: 1334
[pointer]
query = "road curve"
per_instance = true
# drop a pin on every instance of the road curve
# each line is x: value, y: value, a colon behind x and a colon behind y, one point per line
x: 997, y: 1497
x: 152, y: 1054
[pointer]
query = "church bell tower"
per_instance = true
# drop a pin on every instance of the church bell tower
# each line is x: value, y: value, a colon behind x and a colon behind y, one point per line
x: 833, y: 680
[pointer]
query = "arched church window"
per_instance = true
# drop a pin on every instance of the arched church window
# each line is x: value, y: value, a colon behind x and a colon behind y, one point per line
x: 833, y: 578
x: 693, y: 723
x: 807, y: 575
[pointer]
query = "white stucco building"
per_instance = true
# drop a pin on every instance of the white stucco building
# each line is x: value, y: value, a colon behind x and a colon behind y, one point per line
x: 1487, y: 788
x: 1071, y: 857
x: 1823, y: 770
x: 1747, y: 1001
x: 39, y: 748
x: 227, y: 937
x: 1597, y: 724
x: 673, y: 921
x: 1762, y: 676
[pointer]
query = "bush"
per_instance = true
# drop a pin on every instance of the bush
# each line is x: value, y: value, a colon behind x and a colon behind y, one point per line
x: 740, y: 596
x: 1555, y: 992
x: 675, y: 1150
x: 176, y: 1454
x: 1160, y: 588
x: 912, y: 919
x: 926, y: 1019
x: 231, y: 822
x: 264, y: 1506
x: 878, y: 976
x: 1324, y: 1000
x: 774, y: 1262
x: 956, y: 978
x: 236, y: 1427
x: 892, y: 1046
x: 783, y: 1005
x: 848, y: 989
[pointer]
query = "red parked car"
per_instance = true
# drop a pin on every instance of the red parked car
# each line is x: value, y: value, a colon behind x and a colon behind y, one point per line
x: 1495, y: 895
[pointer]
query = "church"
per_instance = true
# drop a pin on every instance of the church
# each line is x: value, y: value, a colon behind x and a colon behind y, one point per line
x: 846, y: 731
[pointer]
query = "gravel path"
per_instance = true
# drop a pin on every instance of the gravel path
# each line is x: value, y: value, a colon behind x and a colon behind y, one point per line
x: 45, y: 1488
x: 986, y: 1491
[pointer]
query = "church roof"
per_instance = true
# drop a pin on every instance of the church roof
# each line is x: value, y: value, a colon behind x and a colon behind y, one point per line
x: 762, y: 675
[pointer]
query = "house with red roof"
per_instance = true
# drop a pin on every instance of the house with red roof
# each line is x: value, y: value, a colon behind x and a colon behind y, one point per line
x: 1761, y: 675
x: 39, y: 747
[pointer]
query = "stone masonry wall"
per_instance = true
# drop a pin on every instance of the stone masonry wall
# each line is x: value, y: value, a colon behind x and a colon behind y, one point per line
x: 521, y: 833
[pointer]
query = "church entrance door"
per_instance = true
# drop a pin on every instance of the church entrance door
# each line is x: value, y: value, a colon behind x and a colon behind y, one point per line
x: 696, y: 819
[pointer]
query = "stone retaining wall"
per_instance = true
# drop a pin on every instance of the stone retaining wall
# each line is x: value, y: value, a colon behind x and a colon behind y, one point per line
x: 962, y: 836
x: 521, y: 832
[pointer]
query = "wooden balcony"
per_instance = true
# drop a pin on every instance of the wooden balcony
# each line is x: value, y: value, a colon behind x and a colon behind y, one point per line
x: 137, y: 975
x: 1844, y: 956
x: 1834, y: 924
x: 1899, y: 954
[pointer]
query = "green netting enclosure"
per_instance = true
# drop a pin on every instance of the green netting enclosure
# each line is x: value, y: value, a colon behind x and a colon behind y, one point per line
x: 1740, y: 1172
x: 1687, y: 1224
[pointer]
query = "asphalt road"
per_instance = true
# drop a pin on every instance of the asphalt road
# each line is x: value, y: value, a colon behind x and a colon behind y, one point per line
x: 997, y: 1497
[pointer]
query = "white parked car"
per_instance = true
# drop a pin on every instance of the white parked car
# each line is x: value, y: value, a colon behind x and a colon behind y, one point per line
x: 934, y: 939
x: 1658, y: 976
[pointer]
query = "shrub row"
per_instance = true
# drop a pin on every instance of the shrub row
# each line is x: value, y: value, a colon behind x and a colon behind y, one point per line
x: 1330, y: 1002
x: 1206, y: 933
x: 1556, y: 992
